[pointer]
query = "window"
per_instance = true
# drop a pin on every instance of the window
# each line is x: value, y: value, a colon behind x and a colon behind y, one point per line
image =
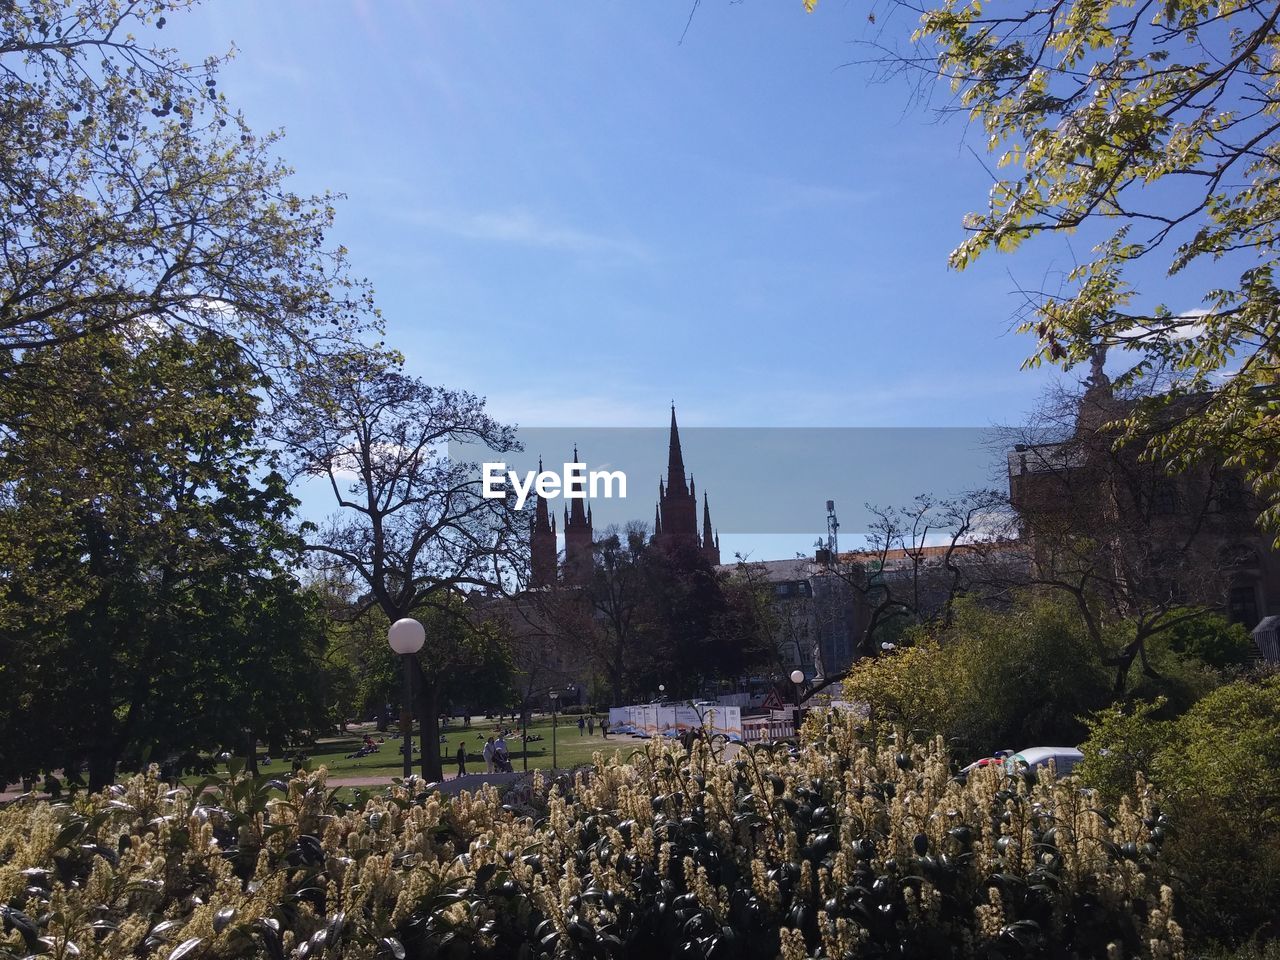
x: 1242, y: 605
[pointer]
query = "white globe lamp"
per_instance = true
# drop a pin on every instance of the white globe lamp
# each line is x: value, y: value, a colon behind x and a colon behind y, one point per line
x: 406, y: 636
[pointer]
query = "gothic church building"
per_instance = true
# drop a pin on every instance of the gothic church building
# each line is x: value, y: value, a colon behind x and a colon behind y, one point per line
x: 675, y: 525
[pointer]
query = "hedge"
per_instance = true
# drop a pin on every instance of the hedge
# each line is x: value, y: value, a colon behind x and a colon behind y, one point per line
x: 855, y: 848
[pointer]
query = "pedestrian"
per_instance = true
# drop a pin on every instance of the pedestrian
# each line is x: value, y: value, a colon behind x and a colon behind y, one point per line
x: 604, y: 727
x: 488, y: 755
x: 591, y: 726
x: 501, y: 759
x: 462, y: 759
x: 582, y: 724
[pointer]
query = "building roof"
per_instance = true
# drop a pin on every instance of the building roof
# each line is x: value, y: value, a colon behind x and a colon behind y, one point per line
x: 1045, y: 458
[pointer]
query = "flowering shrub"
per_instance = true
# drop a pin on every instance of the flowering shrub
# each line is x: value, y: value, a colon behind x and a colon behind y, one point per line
x: 853, y: 849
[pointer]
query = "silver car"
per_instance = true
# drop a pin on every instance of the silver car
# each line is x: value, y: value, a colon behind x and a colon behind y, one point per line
x: 1037, y: 758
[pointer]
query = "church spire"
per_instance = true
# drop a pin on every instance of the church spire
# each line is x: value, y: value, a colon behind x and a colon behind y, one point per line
x: 541, y: 521
x: 675, y: 459
x: 708, y: 536
x: 542, y: 544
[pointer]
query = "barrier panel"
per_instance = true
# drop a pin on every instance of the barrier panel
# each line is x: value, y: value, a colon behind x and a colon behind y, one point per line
x: 757, y: 729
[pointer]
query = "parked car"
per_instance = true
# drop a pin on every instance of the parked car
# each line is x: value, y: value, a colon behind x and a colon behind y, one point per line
x: 1037, y: 758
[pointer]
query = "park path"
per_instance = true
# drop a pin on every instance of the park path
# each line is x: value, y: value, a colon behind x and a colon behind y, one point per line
x: 470, y: 780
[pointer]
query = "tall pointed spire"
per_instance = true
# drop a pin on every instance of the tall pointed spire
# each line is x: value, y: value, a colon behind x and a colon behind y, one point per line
x: 578, y: 538
x: 708, y: 537
x: 657, y: 520
x: 577, y: 511
x: 542, y: 544
x: 541, y: 521
x: 675, y: 459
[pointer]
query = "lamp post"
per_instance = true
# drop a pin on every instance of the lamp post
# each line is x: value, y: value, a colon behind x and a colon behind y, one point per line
x: 524, y: 736
x: 662, y: 691
x: 406, y: 637
x: 797, y: 678
x: 554, y: 695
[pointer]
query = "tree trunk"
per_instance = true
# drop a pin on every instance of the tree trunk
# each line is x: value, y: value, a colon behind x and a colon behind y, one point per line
x: 102, y: 768
x: 251, y: 753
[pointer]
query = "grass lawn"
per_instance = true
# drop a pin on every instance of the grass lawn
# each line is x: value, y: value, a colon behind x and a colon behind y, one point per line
x: 572, y: 749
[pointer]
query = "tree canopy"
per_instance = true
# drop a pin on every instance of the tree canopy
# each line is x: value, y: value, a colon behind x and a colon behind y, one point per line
x: 147, y: 547
x: 131, y: 192
x: 1151, y: 128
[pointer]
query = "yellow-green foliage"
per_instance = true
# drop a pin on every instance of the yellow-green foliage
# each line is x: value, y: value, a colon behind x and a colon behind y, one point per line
x: 853, y: 848
x: 1218, y: 765
x: 993, y: 679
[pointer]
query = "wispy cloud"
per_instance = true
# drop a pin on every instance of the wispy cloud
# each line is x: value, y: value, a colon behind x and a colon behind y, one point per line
x: 783, y: 195
x: 523, y: 228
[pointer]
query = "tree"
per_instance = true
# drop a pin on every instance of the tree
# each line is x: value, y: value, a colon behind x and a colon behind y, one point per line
x: 1218, y: 770
x: 130, y: 193
x: 159, y: 522
x: 1152, y: 129
x: 412, y: 525
x: 991, y: 679
x: 1138, y: 551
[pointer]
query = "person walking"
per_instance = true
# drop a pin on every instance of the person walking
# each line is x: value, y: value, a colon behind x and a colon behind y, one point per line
x: 488, y: 755
x: 591, y: 726
x: 582, y: 724
x: 604, y: 727
x: 462, y: 759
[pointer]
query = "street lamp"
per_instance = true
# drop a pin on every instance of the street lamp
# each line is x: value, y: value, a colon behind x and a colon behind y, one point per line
x: 797, y: 678
x: 406, y: 637
x: 662, y: 691
x: 554, y: 695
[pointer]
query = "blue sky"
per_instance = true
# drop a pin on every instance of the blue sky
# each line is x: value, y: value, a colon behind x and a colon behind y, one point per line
x: 564, y: 208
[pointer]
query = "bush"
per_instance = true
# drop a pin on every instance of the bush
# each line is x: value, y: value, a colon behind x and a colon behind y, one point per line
x: 854, y: 847
x: 1218, y: 766
x: 995, y: 679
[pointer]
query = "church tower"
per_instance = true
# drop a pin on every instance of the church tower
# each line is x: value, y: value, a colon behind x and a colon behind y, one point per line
x: 676, y: 521
x: 579, y: 554
x: 542, y: 545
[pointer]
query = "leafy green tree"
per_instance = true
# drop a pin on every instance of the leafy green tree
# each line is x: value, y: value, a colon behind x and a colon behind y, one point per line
x: 1218, y: 770
x: 1151, y: 129
x: 1212, y: 640
x: 262, y: 676
x: 467, y: 656
x: 993, y: 679
x: 159, y: 519
x: 1123, y: 742
x: 130, y: 192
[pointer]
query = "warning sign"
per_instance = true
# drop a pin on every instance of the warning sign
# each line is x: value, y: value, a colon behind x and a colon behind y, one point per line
x: 772, y: 701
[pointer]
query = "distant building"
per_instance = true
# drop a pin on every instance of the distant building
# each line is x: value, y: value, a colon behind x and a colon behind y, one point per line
x: 817, y: 615
x: 675, y: 525
x: 1190, y: 536
x: 675, y: 521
